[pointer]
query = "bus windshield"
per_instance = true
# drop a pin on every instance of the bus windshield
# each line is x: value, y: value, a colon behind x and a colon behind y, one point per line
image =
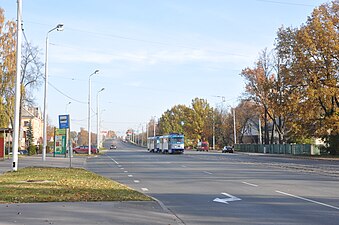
x: 177, y: 140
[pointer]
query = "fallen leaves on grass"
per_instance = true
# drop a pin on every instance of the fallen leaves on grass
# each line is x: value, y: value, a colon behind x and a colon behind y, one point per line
x: 64, y: 184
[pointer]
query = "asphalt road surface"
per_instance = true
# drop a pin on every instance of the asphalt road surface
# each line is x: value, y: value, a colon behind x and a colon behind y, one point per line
x: 214, y: 188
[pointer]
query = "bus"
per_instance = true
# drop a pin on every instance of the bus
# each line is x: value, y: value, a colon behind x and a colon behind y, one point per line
x: 153, y: 144
x: 172, y: 143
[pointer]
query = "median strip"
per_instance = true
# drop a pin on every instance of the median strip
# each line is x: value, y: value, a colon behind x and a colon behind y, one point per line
x: 35, y: 184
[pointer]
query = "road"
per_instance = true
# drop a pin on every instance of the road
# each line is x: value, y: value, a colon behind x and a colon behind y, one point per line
x: 213, y: 188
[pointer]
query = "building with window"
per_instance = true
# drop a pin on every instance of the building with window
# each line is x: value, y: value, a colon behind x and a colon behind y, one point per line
x: 33, y: 116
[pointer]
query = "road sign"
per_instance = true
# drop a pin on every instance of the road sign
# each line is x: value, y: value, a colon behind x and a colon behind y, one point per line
x: 63, y: 121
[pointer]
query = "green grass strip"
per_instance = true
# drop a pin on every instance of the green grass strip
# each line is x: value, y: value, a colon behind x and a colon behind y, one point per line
x: 35, y: 184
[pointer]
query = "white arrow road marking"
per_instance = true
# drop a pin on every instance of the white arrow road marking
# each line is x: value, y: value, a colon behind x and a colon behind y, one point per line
x: 136, y: 181
x: 130, y: 175
x: 144, y: 189
x: 230, y: 198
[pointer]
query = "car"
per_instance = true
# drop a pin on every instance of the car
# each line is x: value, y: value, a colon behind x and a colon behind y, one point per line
x: 84, y: 150
x: 228, y: 149
x: 113, y: 146
x: 23, y: 152
x: 203, y: 146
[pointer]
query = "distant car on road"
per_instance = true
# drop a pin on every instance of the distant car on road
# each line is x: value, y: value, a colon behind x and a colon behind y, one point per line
x: 84, y: 150
x: 203, y: 146
x: 228, y: 149
x: 113, y: 146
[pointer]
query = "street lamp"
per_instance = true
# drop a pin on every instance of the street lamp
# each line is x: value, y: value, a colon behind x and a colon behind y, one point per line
x: 223, y: 100
x: 67, y: 106
x: 58, y: 27
x: 89, y: 110
x: 98, y: 121
x: 154, y: 126
x: 234, y: 128
x: 16, y: 129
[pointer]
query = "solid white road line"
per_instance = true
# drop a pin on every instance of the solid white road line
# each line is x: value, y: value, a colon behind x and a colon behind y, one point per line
x: 308, y: 200
x: 254, y: 185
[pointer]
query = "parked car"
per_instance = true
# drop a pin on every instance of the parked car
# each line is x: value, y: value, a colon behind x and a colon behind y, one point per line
x: 113, y: 146
x: 84, y: 150
x: 228, y: 149
x: 203, y: 146
x: 23, y: 152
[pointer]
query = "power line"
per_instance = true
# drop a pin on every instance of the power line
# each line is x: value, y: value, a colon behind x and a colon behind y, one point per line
x: 36, y: 63
x: 114, y: 36
x: 66, y: 94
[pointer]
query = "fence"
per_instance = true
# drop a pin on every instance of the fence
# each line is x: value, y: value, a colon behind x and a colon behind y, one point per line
x: 291, y: 149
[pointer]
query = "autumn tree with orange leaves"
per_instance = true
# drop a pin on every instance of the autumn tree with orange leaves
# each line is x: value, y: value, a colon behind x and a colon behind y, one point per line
x: 301, y: 86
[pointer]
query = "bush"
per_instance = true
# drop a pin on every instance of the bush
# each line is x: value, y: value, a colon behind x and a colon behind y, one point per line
x: 39, y: 149
x: 32, y: 150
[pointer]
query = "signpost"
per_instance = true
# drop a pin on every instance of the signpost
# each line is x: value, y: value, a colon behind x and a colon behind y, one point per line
x: 60, y: 141
x: 64, y: 123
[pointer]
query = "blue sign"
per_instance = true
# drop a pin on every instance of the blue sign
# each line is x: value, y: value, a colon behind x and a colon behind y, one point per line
x: 63, y: 121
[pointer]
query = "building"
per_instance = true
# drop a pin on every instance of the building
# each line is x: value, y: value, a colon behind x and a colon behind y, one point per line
x: 34, y: 116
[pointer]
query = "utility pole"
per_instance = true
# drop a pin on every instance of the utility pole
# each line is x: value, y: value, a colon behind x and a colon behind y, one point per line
x: 234, y: 127
x: 17, y: 89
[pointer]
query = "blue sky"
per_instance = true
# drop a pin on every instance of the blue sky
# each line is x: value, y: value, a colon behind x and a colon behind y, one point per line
x: 152, y: 54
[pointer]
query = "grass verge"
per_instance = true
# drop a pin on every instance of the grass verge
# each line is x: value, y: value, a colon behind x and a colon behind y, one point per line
x: 35, y: 184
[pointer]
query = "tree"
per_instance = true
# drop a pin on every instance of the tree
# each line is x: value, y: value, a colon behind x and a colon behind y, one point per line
x: 7, y: 69
x: 199, y: 119
x: 260, y: 88
x: 301, y: 96
x: 83, y: 137
x: 247, y: 117
x: 29, y: 134
x: 314, y: 74
x: 30, y: 137
x: 173, y: 120
x: 194, y: 122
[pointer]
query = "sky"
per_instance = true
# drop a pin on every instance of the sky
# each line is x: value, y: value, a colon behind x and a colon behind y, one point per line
x: 151, y: 54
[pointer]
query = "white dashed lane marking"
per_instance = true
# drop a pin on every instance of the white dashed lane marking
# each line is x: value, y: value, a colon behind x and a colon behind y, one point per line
x: 253, y: 185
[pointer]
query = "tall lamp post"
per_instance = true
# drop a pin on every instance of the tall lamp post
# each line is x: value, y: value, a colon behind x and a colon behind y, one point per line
x: 66, y: 108
x: 89, y: 110
x: 16, y: 130
x: 58, y: 27
x: 223, y: 100
x: 98, y: 121
x: 154, y: 126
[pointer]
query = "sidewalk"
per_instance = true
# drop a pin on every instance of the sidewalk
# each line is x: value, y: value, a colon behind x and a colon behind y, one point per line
x: 84, y: 213
x: 27, y: 161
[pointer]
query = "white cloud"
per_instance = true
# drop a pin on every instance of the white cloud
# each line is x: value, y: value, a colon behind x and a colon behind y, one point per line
x: 151, y: 57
